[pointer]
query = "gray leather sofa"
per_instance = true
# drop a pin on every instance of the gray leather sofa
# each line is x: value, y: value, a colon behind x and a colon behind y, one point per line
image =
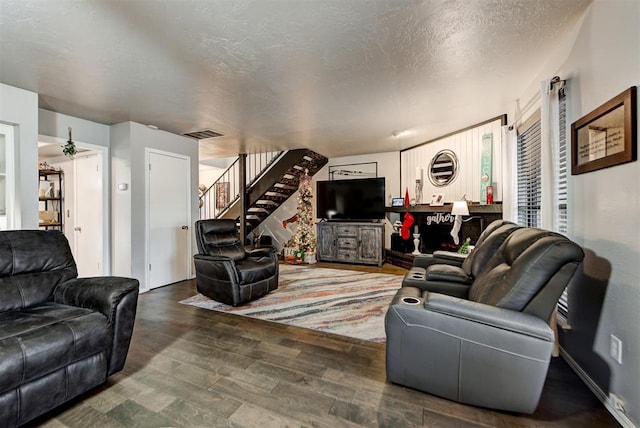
x: 59, y: 335
x: 456, y: 279
x: 453, y: 258
x: 491, y: 346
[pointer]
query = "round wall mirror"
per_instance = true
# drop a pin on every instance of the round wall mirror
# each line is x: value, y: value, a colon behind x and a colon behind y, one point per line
x: 443, y: 168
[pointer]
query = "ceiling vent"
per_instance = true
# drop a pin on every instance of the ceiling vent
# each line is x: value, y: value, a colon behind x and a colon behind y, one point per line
x: 203, y: 134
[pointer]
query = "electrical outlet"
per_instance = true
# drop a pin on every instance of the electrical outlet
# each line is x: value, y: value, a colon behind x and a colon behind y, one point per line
x: 616, y: 349
x: 616, y: 402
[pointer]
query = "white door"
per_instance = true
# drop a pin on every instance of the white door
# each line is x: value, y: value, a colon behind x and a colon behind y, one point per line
x: 168, y: 218
x: 87, y: 230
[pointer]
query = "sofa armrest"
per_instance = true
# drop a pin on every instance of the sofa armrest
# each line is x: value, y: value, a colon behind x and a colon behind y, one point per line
x: 261, y: 252
x: 102, y: 294
x: 116, y: 298
x: 467, y: 351
x: 215, y: 267
x: 447, y: 273
x: 450, y: 255
x: 504, y: 319
x: 439, y: 258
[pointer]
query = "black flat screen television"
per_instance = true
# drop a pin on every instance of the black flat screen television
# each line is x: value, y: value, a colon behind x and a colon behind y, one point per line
x: 358, y: 199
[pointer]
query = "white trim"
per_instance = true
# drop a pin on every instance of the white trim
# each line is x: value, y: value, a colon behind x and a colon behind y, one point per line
x: 600, y: 395
x: 106, y: 193
x: 12, y: 221
x: 147, y: 219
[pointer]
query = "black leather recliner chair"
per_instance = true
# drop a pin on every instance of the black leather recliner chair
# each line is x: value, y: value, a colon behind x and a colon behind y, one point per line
x: 226, y: 271
x: 491, y: 348
x: 60, y: 335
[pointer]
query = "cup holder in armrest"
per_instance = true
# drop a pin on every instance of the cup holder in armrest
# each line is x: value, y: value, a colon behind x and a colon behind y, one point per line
x: 410, y: 300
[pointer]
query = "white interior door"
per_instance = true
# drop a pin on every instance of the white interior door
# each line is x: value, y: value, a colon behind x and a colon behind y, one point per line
x: 88, y: 230
x: 168, y: 218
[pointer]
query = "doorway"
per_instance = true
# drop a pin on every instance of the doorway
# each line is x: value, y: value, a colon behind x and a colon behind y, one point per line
x: 85, y: 202
x: 168, y: 217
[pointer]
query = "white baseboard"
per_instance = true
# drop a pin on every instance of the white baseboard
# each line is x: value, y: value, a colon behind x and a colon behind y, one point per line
x: 620, y: 416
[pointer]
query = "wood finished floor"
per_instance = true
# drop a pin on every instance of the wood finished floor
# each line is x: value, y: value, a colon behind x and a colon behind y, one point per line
x: 195, y: 367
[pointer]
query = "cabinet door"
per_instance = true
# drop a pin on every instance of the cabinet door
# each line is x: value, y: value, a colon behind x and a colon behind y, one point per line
x: 370, y: 241
x: 326, y: 242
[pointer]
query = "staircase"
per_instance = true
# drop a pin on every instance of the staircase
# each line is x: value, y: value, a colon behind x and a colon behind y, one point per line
x: 272, y: 185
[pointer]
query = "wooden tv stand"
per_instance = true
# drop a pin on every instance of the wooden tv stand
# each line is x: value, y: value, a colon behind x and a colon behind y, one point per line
x: 351, y: 242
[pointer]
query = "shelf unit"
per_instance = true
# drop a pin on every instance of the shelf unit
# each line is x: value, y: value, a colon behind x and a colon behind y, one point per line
x: 53, y: 199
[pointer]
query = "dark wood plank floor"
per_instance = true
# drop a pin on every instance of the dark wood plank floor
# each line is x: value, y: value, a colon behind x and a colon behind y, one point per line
x: 195, y: 367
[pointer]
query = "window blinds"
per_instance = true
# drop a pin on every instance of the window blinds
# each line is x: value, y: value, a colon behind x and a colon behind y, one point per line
x: 561, y: 189
x: 529, y: 185
x: 529, y: 174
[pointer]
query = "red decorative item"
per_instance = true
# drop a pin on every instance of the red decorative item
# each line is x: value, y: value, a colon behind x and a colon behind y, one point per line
x: 406, y: 199
x: 489, y: 195
x: 405, y: 231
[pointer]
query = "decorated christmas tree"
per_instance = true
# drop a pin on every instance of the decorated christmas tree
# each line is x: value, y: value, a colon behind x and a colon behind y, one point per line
x: 305, y: 238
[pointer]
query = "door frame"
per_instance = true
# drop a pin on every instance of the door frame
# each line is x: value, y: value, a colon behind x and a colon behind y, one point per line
x: 147, y: 212
x: 106, y: 194
x: 10, y: 180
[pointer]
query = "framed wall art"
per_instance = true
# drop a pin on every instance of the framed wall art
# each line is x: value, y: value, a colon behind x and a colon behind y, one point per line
x: 354, y: 170
x: 607, y: 136
x: 222, y: 195
x: 437, y: 200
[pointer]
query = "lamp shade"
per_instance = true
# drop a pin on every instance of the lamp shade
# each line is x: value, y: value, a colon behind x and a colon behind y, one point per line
x: 460, y: 208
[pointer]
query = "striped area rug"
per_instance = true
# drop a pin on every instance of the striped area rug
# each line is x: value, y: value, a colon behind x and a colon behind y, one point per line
x: 344, y: 302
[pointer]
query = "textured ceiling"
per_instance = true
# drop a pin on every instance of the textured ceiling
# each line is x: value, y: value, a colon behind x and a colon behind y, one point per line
x: 337, y: 76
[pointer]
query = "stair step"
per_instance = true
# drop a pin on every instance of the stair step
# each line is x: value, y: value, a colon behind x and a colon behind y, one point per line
x: 266, y: 203
x: 256, y: 209
x: 277, y: 192
x: 274, y: 196
x: 285, y: 186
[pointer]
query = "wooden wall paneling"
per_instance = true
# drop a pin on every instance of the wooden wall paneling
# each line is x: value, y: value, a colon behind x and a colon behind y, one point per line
x: 466, y: 145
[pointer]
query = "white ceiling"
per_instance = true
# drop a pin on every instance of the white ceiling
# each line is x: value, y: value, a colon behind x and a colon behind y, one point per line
x: 337, y: 76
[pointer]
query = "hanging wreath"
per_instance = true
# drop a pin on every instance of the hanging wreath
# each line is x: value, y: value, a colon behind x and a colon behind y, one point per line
x: 70, y: 149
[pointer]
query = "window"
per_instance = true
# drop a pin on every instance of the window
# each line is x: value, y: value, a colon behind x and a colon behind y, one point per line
x: 528, y: 156
x: 561, y: 189
x: 529, y: 191
x: 561, y: 183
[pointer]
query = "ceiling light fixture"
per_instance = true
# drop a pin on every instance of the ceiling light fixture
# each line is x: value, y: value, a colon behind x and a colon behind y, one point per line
x: 399, y: 133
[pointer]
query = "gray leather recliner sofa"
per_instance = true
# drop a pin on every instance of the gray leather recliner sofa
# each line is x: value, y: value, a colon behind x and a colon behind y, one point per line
x: 489, y: 347
x: 456, y: 279
x: 456, y: 259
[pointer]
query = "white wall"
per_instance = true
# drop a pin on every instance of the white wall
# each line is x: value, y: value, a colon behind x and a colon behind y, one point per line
x: 466, y: 145
x: 121, y: 200
x: 604, y: 207
x: 128, y: 143
x: 209, y: 174
x: 20, y: 109
x: 388, y: 167
x: 54, y: 127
